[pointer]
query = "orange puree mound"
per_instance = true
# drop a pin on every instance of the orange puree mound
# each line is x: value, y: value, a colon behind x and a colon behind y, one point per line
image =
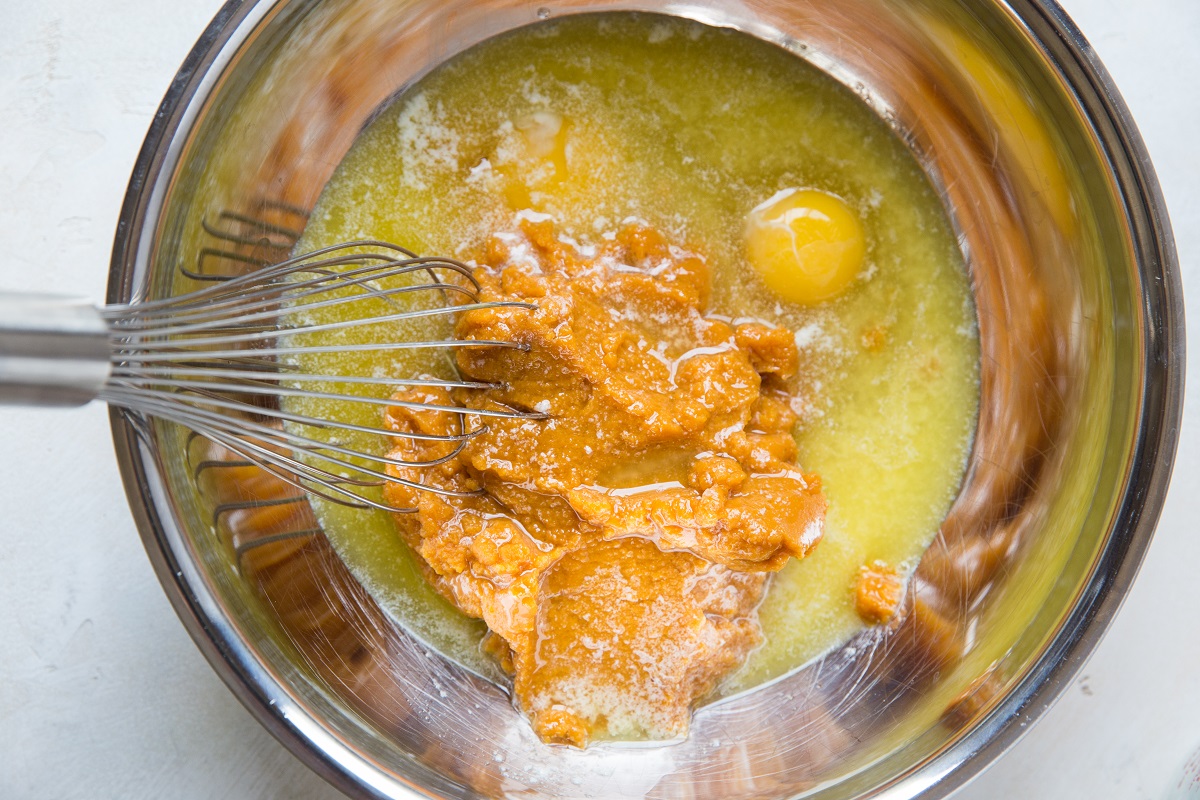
x: 878, y: 592
x: 620, y: 546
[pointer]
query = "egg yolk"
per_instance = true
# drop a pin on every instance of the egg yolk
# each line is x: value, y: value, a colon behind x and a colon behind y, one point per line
x: 552, y: 163
x: 806, y: 245
x: 535, y: 162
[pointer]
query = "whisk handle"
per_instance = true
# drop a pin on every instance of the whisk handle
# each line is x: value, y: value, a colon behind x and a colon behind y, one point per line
x: 54, y: 351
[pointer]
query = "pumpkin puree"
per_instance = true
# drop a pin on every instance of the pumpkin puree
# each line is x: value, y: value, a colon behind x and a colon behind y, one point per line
x: 619, y: 546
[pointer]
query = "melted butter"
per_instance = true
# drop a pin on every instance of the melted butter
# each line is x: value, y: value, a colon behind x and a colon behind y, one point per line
x: 603, y: 123
x: 667, y: 465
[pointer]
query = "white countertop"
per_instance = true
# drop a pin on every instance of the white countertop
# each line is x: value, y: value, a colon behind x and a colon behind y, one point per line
x: 102, y: 693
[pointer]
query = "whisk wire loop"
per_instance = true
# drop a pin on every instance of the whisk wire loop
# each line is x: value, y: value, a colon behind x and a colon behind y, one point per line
x: 264, y: 334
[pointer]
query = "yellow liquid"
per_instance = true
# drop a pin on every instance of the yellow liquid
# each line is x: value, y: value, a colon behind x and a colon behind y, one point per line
x: 598, y: 118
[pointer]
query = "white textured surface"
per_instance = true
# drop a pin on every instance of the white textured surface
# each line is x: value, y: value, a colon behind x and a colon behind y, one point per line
x: 102, y: 694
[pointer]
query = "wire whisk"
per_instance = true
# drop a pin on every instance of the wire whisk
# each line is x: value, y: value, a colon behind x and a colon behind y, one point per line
x: 225, y: 361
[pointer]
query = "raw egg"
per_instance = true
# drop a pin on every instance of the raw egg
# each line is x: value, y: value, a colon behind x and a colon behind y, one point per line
x: 806, y: 245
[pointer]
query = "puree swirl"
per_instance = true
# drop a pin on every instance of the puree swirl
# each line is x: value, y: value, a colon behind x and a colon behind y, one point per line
x: 621, y: 545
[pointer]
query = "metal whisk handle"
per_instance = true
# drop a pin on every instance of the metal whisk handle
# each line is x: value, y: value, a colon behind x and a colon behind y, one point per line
x: 54, y: 350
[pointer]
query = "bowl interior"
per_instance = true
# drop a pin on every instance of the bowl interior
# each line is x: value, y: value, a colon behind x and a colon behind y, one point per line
x: 1059, y: 225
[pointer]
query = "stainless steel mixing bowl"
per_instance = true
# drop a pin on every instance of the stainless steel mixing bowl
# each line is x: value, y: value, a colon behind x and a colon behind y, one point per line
x: 1081, y: 324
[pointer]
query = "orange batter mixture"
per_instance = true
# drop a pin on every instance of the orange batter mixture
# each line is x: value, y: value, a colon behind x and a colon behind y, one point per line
x: 621, y: 545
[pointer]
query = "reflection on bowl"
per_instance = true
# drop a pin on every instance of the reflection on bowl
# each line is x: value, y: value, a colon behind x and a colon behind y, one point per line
x: 1080, y: 325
